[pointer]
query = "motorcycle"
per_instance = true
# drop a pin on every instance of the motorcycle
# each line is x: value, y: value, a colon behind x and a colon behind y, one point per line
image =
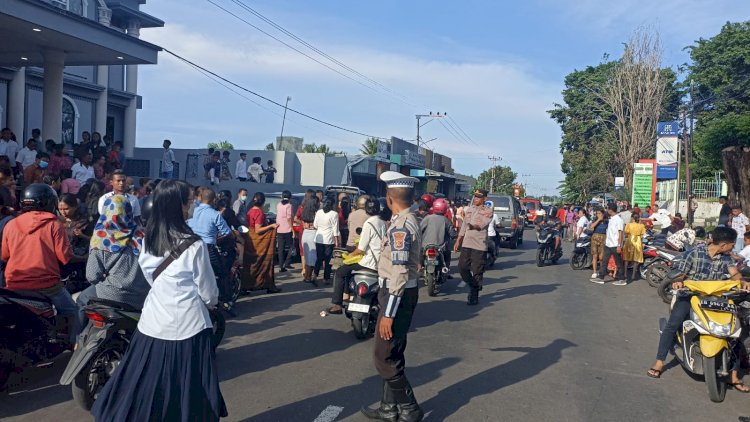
x: 650, y: 254
x: 103, y: 343
x: 29, y: 333
x: 546, y: 246
x: 434, y: 270
x: 706, y: 344
x: 362, y: 308
x: 582, y: 257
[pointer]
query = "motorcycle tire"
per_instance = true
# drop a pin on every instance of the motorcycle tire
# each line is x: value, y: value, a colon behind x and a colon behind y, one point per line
x: 578, y: 261
x: 219, y: 327
x: 360, y: 328
x: 540, y: 257
x: 431, y: 287
x: 717, y: 387
x: 657, y: 272
x: 236, y: 286
x: 665, y: 291
x: 514, y: 242
x: 92, y: 378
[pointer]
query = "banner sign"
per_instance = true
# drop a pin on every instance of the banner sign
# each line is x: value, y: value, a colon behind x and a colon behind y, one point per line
x: 666, y: 172
x: 383, y: 150
x: 619, y: 182
x: 668, y: 129
x: 643, y: 183
x: 413, y: 159
x: 667, y: 151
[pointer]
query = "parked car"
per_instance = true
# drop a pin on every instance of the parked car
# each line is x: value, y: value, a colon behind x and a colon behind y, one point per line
x: 512, y: 216
x: 352, y: 191
x: 274, y: 198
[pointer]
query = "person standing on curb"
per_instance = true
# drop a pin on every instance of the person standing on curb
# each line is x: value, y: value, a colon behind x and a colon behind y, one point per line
x: 472, y: 241
x: 167, y: 161
x: 612, y: 247
x: 398, y: 295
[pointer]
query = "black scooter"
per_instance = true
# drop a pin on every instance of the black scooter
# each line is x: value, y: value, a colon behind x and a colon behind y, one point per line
x: 363, y: 307
x: 582, y: 257
x: 546, y: 252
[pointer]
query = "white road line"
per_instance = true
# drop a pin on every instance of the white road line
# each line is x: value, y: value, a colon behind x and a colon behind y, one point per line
x: 329, y: 414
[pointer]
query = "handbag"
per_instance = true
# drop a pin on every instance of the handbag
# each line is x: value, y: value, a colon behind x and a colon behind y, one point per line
x: 172, y: 257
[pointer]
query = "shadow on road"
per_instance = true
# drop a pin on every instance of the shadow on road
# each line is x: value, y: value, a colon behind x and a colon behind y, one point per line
x: 34, y: 389
x: 532, y: 363
x: 293, y: 295
x: 352, y: 397
x: 241, y: 328
x: 505, y: 265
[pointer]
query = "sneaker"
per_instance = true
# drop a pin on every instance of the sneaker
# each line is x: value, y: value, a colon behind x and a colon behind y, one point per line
x: 461, y: 285
x: 282, y: 270
x: 597, y: 280
x: 594, y: 275
x: 608, y: 279
x: 620, y: 283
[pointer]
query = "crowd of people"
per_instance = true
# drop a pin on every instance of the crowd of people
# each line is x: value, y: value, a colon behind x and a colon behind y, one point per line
x: 217, y: 165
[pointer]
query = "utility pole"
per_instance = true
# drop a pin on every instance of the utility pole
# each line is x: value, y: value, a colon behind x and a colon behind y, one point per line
x: 288, y: 98
x: 494, y: 164
x: 431, y: 116
x: 688, y: 178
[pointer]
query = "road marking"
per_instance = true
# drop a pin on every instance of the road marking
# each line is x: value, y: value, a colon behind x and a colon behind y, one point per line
x: 329, y: 414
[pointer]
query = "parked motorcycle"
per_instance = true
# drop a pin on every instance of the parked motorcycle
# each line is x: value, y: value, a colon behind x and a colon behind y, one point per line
x: 103, y: 343
x: 29, y: 332
x: 546, y: 246
x: 707, y: 340
x: 582, y: 257
x: 362, y: 308
x: 434, y: 269
x: 649, y: 256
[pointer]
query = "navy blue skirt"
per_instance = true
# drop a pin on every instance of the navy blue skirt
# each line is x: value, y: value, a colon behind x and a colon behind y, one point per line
x: 163, y: 380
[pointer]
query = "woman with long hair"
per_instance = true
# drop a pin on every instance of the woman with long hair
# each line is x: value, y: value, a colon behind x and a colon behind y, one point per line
x: 632, y: 250
x: 260, y: 248
x: 598, y: 237
x: 76, y: 223
x: 309, y: 251
x: 256, y: 217
x: 327, y: 237
x: 169, y: 370
x: 299, y: 226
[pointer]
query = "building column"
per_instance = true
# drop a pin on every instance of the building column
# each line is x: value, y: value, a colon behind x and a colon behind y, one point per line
x: 131, y: 86
x: 16, y: 113
x: 54, y: 64
x: 102, y: 79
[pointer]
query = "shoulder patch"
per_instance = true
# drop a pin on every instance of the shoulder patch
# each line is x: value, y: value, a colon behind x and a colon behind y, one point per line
x: 400, y: 240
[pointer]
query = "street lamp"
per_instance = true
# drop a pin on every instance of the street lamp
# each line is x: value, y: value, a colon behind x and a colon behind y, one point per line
x: 284, y: 120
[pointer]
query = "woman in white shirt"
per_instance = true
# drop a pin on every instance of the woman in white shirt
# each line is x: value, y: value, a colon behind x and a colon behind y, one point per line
x: 327, y: 237
x: 582, y: 224
x: 370, y: 242
x: 169, y: 370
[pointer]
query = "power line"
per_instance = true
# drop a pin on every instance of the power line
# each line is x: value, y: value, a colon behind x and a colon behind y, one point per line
x: 458, y: 138
x: 466, y: 139
x: 268, y: 99
x: 462, y: 130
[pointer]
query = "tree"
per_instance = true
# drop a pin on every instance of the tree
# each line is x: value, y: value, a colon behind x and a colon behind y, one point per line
x: 505, y: 178
x: 270, y: 147
x: 221, y: 146
x: 319, y: 149
x: 369, y: 147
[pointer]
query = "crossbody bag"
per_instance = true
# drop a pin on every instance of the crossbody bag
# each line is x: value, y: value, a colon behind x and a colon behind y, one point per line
x: 172, y: 257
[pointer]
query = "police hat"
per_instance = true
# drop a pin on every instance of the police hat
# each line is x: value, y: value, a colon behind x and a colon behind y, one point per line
x: 394, y: 179
x: 480, y: 193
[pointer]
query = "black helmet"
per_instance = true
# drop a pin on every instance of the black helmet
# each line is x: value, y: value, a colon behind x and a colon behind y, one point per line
x: 39, y: 197
x: 146, y: 208
x: 700, y: 232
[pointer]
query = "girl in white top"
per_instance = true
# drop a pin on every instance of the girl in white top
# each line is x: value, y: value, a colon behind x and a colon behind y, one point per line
x: 582, y: 224
x: 327, y: 237
x: 171, y: 357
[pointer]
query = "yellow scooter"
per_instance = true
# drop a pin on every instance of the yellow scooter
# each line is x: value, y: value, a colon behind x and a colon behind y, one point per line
x: 711, y: 334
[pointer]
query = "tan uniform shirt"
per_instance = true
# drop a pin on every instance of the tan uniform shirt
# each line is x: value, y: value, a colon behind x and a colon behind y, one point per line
x: 356, y: 220
x: 477, y: 216
x: 399, y: 258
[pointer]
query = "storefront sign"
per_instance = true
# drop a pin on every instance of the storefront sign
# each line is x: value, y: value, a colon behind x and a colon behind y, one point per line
x: 666, y: 172
x: 383, y: 150
x: 412, y: 159
x: 664, y: 129
x: 643, y: 183
x: 667, y: 151
x: 416, y: 173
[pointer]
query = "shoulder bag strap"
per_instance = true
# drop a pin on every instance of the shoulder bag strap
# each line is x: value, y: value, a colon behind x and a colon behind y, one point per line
x: 172, y: 257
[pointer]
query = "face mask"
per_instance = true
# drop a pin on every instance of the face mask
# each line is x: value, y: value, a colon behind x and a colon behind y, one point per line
x: 243, y: 198
x: 43, y: 164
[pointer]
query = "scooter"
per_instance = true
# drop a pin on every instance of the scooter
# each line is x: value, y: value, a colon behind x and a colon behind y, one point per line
x: 29, y: 332
x: 705, y: 345
x: 434, y: 270
x: 582, y: 257
x: 546, y: 246
x: 362, y: 308
x: 103, y: 343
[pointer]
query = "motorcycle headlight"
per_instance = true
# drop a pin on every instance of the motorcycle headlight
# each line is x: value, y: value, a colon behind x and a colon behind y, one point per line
x: 719, y: 330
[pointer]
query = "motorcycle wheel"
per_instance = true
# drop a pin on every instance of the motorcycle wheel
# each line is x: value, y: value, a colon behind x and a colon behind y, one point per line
x: 540, y: 257
x: 236, y: 285
x: 665, y: 291
x: 92, y: 378
x: 359, y: 327
x: 219, y: 327
x: 644, y: 270
x: 431, y: 287
x: 717, y: 388
x: 578, y: 261
x: 657, y: 272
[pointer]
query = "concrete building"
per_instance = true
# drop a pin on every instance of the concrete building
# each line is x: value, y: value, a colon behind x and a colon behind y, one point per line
x: 68, y: 66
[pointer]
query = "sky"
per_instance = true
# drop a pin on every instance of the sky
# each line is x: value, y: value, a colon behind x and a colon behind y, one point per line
x: 495, y: 67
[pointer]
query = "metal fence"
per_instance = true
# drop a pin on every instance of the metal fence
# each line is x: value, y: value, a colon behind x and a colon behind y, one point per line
x: 704, y: 188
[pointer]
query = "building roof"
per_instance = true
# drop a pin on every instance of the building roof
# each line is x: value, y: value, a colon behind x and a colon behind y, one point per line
x: 120, y: 10
x: 29, y: 27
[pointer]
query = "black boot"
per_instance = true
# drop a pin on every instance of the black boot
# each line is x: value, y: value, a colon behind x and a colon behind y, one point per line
x: 387, y: 410
x: 473, y: 296
x: 408, y: 408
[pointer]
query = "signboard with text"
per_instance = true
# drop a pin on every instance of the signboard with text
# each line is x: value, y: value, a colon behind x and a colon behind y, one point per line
x: 412, y: 159
x: 665, y: 129
x: 643, y: 183
x: 666, y: 172
x: 383, y: 150
x: 667, y: 151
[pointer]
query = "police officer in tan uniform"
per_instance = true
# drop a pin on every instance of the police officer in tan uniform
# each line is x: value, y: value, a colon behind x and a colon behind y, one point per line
x: 472, y: 241
x: 398, y: 296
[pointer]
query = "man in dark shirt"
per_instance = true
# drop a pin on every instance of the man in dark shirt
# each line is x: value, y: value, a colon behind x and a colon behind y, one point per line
x: 725, y: 213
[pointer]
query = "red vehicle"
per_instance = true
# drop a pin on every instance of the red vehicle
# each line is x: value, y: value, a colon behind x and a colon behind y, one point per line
x: 533, y: 209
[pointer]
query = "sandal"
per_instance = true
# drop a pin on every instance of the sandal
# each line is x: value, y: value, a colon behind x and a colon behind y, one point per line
x: 740, y: 386
x: 654, y: 373
x: 335, y: 311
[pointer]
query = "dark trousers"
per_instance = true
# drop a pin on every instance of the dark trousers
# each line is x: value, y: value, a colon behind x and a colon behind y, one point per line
x: 324, y: 252
x: 471, y: 266
x: 608, y: 252
x: 284, y: 241
x: 680, y: 313
x: 388, y: 355
x: 339, y: 281
x: 218, y: 265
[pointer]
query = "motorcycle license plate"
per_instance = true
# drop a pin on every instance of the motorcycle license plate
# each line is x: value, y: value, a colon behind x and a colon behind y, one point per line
x: 715, y: 305
x: 358, y: 307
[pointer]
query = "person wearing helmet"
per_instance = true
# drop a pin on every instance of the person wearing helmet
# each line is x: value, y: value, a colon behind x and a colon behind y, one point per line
x: 429, y: 199
x: 438, y: 230
x: 33, y: 245
x: 356, y: 221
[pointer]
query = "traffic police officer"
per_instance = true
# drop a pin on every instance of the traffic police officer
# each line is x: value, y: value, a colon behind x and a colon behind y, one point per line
x: 473, y: 243
x: 397, y: 269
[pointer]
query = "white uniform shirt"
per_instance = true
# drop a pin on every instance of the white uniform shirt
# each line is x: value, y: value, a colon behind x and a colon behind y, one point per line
x: 371, y: 241
x: 131, y: 198
x: 26, y: 157
x: 491, y: 229
x: 175, y: 308
x: 9, y: 149
x: 327, y: 226
x: 615, y: 226
x: 254, y: 171
x: 240, y: 168
x: 583, y: 223
x: 82, y: 173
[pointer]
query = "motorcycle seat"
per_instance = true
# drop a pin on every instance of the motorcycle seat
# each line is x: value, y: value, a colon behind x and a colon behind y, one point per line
x: 113, y: 304
x: 25, y: 294
x: 365, y: 271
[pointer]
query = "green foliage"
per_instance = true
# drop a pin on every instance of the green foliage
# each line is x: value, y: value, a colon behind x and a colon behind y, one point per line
x: 369, y: 147
x: 505, y: 178
x: 715, y: 134
x: 270, y: 147
x: 221, y: 146
x: 319, y: 149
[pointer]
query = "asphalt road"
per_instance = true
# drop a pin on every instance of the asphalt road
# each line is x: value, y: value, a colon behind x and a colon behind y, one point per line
x: 544, y: 344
